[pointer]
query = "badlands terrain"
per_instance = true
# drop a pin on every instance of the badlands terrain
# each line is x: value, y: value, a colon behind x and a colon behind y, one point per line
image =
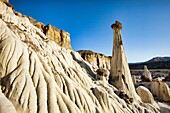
x: 40, y: 73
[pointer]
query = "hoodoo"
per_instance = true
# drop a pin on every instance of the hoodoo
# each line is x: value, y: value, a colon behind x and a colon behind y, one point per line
x: 147, y: 74
x: 120, y: 73
x: 39, y: 76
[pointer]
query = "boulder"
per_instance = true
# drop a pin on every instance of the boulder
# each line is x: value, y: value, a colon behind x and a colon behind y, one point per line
x: 120, y: 75
x: 102, y: 74
x: 160, y: 89
x: 146, y: 96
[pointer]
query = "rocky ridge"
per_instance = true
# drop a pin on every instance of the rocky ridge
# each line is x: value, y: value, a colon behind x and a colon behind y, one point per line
x: 60, y: 37
x: 37, y: 75
x: 97, y: 60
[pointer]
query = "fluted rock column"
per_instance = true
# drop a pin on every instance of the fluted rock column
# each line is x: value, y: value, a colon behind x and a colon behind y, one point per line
x: 120, y: 75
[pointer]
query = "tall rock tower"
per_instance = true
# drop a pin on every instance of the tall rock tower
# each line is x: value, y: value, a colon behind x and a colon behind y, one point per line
x: 120, y: 75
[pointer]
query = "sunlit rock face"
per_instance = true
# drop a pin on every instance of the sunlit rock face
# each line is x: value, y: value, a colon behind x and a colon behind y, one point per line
x: 97, y: 60
x: 38, y: 76
x: 120, y: 73
x: 160, y: 89
x: 60, y: 37
x: 146, y: 75
x: 146, y: 96
x: 6, y: 1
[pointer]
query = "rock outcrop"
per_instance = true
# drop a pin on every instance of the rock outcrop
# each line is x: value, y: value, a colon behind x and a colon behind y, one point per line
x: 96, y: 59
x: 38, y: 76
x: 134, y: 80
x: 146, y: 75
x: 120, y: 73
x: 5, y: 105
x: 146, y: 96
x: 160, y: 89
x: 60, y: 37
x: 6, y: 1
x: 102, y: 74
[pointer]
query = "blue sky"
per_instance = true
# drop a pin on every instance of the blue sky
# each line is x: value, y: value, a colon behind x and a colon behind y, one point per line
x: 146, y: 23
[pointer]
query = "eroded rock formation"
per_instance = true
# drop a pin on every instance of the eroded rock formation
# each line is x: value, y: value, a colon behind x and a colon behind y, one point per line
x: 120, y: 74
x: 134, y: 79
x: 97, y: 60
x: 160, y: 89
x: 6, y: 1
x: 38, y: 76
x: 102, y: 74
x: 146, y: 96
x: 146, y: 75
x: 60, y: 37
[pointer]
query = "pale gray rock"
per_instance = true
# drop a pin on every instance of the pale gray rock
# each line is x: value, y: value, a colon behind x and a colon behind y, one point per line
x: 5, y: 105
x: 38, y: 76
x: 120, y: 73
x: 134, y: 79
x: 147, y: 74
x: 146, y: 96
x: 160, y: 89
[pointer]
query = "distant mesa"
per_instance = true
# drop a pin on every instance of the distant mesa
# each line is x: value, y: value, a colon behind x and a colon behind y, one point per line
x: 159, y: 59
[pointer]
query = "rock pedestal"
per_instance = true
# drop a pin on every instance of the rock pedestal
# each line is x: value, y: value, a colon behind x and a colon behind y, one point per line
x: 120, y: 75
x: 146, y: 75
x: 161, y: 90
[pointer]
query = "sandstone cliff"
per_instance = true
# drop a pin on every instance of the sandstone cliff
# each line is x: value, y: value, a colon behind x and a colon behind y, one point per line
x: 96, y: 59
x: 60, y: 37
x: 38, y: 76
